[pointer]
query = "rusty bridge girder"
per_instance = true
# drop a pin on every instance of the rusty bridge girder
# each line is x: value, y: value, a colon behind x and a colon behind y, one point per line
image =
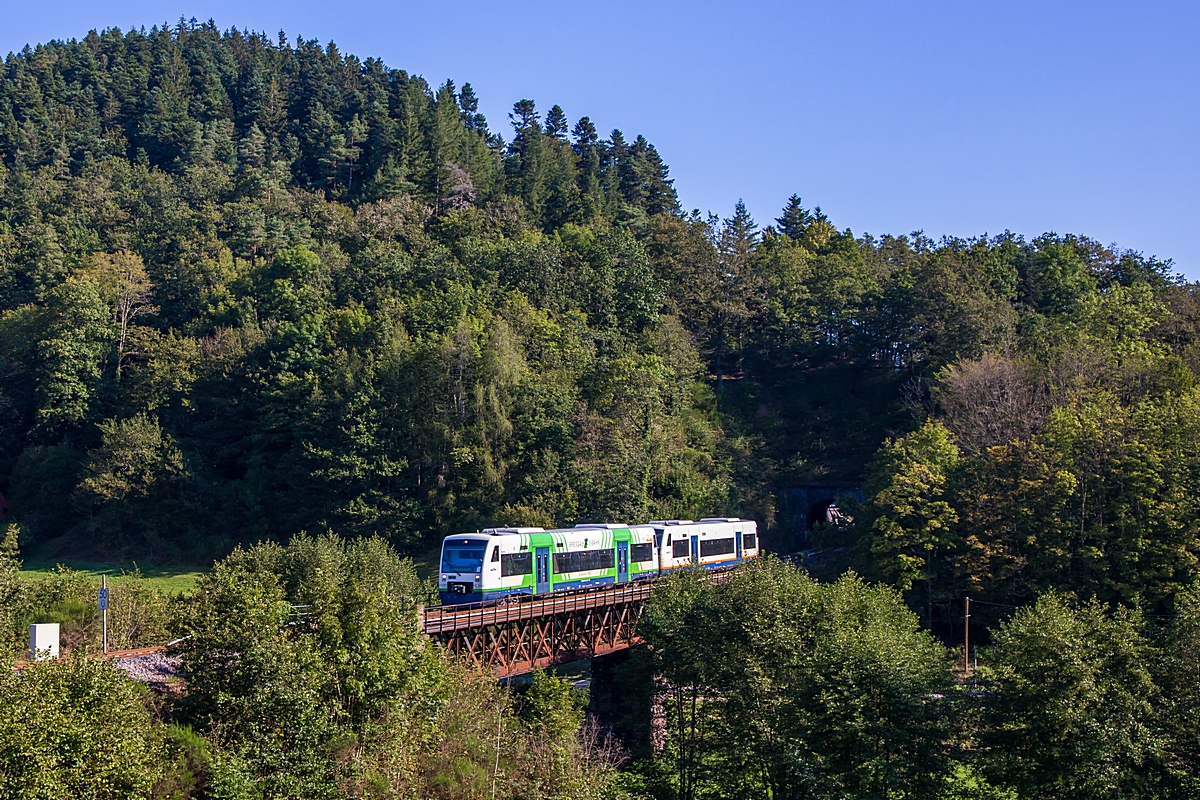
x: 536, y: 632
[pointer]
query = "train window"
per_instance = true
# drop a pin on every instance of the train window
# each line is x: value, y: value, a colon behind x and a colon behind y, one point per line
x: 680, y: 549
x: 750, y: 541
x: 641, y: 552
x: 584, y: 560
x: 464, y: 557
x: 716, y: 547
x: 495, y: 554
x: 516, y: 564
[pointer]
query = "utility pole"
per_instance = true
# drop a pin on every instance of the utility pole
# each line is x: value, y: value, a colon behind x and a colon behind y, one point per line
x: 967, y: 641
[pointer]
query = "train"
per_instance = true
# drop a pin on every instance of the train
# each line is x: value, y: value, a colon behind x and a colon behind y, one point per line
x: 503, y: 564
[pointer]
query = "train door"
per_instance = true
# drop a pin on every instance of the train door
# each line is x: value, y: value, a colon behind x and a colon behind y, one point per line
x: 542, y: 571
x: 738, y: 544
x: 622, y: 562
x: 695, y: 549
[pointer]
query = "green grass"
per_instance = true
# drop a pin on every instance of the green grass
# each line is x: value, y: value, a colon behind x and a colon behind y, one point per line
x: 172, y: 580
x: 179, y: 578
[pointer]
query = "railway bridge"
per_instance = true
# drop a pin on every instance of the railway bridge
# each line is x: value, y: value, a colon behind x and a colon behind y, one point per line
x: 538, y: 632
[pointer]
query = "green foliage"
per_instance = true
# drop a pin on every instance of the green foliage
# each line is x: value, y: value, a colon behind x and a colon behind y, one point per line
x: 911, y: 521
x: 11, y: 588
x: 275, y: 303
x: 553, y: 705
x: 130, y: 476
x: 140, y: 614
x: 774, y: 685
x: 965, y: 783
x: 43, y: 481
x: 193, y: 767
x: 70, y: 352
x: 75, y: 728
x: 307, y: 677
x: 276, y: 288
x: 1179, y: 681
x: 286, y: 289
x: 1071, y: 714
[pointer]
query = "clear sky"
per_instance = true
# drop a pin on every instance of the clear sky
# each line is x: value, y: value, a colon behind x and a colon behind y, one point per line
x: 954, y: 118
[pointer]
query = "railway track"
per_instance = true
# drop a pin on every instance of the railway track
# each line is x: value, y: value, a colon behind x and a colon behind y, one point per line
x: 516, y: 637
x: 114, y: 655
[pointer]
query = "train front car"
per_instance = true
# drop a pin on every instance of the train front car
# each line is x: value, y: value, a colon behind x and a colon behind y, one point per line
x: 487, y: 565
x: 461, y: 578
x: 712, y: 543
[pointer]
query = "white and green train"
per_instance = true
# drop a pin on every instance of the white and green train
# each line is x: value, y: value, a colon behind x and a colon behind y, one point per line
x: 500, y: 562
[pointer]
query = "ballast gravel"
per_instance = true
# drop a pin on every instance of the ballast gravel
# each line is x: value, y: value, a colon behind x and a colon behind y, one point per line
x: 157, y: 670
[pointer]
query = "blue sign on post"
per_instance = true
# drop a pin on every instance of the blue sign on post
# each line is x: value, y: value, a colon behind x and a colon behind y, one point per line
x: 104, y: 599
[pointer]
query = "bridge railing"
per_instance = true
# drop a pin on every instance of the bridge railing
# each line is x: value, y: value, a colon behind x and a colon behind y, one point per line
x: 444, y: 619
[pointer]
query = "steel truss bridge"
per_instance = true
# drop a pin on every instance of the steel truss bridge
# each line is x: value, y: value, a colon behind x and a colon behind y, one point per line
x: 532, y: 633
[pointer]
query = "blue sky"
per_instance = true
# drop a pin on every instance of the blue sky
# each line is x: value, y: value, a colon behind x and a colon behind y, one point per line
x: 954, y: 118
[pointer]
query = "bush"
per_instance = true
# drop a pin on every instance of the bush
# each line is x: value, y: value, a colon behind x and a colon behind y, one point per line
x: 306, y: 662
x: 75, y: 728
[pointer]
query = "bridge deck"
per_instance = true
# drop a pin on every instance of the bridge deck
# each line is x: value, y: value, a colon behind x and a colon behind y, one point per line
x: 531, y: 633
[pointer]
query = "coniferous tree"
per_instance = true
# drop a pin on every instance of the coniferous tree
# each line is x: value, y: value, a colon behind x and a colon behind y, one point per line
x: 587, y: 148
x: 472, y: 119
x: 735, y: 240
x: 556, y: 123
x: 795, y: 218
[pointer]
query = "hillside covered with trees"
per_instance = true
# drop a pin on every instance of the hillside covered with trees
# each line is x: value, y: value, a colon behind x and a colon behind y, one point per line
x: 264, y: 298
x: 250, y: 288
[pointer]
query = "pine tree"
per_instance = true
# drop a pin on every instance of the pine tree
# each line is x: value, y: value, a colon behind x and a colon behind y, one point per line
x: 525, y: 165
x: 660, y: 190
x: 587, y: 148
x: 556, y: 123
x: 469, y: 103
x: 795, y: 219
x: 447, y: 137
x: 736, y: 239
x: 524, y: 117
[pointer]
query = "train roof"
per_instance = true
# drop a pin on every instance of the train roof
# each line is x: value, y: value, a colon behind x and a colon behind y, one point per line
x: 609, y: 526
x: 499, y: 531
x: 492, y: 532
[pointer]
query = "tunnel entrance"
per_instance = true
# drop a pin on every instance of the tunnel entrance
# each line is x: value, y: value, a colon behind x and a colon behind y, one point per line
x: 812, y: 504
x: 821, y: 512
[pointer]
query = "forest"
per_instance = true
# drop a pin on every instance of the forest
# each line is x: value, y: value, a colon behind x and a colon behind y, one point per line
x: 304, y: 314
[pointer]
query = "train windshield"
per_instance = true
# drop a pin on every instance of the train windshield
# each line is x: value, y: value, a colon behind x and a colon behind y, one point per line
x: 463, y: 555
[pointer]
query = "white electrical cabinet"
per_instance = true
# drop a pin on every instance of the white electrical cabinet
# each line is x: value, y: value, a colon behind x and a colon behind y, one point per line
x: 43, y: 641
